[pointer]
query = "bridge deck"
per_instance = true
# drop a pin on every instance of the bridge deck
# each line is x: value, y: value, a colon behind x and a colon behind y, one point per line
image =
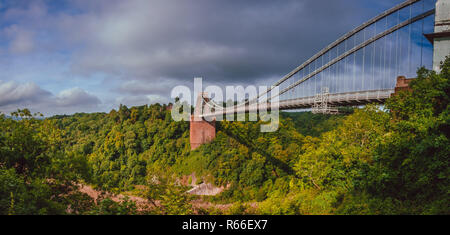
x: 341, y: 99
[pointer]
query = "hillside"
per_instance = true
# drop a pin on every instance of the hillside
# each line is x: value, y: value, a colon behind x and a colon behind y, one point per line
x: 370, y: 161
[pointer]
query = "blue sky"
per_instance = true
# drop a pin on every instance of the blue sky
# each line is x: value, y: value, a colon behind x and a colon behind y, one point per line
x: 62, y: 57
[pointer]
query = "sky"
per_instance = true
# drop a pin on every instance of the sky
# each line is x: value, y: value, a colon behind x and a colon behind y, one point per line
x: 68, y: 56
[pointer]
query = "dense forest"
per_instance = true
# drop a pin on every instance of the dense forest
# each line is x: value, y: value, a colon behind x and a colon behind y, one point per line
x: 391, y: 159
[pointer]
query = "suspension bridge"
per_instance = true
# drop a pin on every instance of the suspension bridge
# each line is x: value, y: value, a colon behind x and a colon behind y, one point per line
x: 366, y: 65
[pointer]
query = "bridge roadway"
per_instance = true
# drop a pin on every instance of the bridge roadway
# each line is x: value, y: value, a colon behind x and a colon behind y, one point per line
x: 340, y: 99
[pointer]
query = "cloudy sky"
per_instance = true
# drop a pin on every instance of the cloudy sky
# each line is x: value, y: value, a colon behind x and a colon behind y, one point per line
x: 62, y: 57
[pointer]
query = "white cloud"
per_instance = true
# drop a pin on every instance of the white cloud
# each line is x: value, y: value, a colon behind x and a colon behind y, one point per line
x: 75, y: 97
x: 12, y: 93
x: 15, y: 96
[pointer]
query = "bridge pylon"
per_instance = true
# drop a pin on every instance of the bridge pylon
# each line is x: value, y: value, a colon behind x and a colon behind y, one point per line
x: 201, y: 130
x: 441, y: 36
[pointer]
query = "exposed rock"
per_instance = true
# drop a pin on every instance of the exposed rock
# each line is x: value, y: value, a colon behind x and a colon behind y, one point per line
x: 206, y: 189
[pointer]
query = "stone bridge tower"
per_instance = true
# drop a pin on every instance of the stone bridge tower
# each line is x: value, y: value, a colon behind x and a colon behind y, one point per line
x: 441, y: 36
x: 201, y: 131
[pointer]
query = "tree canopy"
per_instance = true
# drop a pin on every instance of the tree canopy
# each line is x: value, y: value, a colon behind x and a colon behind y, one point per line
x: 390, y: 159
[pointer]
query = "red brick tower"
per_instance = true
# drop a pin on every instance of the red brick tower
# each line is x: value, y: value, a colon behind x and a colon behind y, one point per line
x: 201, y: 131
x: 402, y: 84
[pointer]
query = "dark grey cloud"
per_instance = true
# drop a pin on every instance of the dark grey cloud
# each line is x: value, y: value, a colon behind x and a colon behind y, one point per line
x: 143, y: 87
x: 219, y: 40
x: 144, y: 48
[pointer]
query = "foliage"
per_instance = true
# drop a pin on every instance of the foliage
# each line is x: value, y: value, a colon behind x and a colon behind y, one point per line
x: 371, y: 161
x: 107, y: 206
x: 36, y: 177
x: 374, y: 162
